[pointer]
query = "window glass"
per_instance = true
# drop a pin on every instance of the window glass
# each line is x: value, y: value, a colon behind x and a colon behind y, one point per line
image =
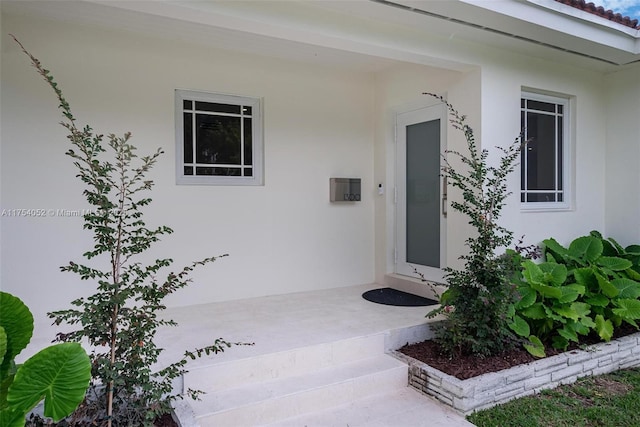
x: 543, y: 164
x: 218, y: 139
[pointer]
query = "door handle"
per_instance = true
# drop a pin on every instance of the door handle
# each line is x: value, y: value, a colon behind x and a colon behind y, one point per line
x: 444, y: 206
x: 444, y: 197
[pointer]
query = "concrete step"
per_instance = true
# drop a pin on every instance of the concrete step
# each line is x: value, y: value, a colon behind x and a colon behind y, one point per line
x: 394, y: 408
x: 267, y: 401
x: 282, y: 364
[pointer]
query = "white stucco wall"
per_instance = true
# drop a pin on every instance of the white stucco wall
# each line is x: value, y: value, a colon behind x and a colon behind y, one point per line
x: 282, y: 237
x: 501, y: 88
x: 623, y: 154
x: 319, y: 121
x: 490, y: 97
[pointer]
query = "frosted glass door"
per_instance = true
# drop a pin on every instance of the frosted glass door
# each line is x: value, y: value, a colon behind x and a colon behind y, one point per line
x: 420, y: 214
x: 423, y: 194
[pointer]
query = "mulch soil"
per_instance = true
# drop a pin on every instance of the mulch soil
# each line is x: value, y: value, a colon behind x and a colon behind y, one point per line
x: 467, y: 366
x: 165, y: 421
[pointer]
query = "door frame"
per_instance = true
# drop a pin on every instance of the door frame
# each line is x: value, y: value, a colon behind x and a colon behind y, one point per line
x: 404, y: 117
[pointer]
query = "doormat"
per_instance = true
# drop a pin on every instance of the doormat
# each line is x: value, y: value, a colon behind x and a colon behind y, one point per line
x: 390, y: 296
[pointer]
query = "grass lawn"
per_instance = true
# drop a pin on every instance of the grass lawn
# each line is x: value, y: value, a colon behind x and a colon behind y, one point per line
x: 611, y: 400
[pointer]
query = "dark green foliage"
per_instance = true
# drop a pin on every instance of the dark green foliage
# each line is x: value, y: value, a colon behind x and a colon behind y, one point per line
x: 590, y: 287
x: 120, y: 320
x: 478, y: 300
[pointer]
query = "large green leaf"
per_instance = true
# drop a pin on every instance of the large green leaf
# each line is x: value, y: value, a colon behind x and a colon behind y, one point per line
x: 568, y: 332
x: 6, y: 379
x: 614, y: 263
x: 574, y: 311
x: 632, y: 250
x: 585, y: 276
x: 559, y: 342
x: 627, y: 288
x: 520, y: 326
x: 3, y: 343
x: 611, y: 248
x: 17, y: 321
x: 536, y: 311
x: 588, y: 248
x: 595, y: 233
x: 627, y: 308
x: 532, y: 272
x: 597, y: 300
x: 547, y: 291
x: 607, y: 287
x: 10, y: 417
x: 60, y: 374
x: 634, y: 275
x: 555, y: 274
x: 583, y: 327
x: 571, y: 292
x: 553, y: 246
x: 604, y: 328
x: 535, y: 347
x: 583, y: 309
x: 527, y: 297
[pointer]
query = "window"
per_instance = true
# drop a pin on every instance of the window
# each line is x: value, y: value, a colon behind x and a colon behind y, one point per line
x: 544, y: 165
x: 218, y: 139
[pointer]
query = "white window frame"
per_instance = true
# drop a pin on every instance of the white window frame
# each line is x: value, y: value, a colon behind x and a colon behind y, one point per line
x: 257, y: 139
x: 567, y: 154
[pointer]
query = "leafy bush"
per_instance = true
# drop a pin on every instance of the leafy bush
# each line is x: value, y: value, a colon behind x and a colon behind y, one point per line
x: 479, y: 297
x: 120, y: 320
x: 59, y: 374
x: 591, y: 286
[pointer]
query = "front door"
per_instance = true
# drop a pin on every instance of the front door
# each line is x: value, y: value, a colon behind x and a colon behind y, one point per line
x: 421, y: 193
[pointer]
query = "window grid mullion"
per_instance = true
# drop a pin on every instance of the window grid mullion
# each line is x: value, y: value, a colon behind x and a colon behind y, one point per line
x: 220, y: 141
x: 559, y: 150
x: 555, y: 152
x: 242, y: 140
x: 526, y: 155
x: 194, y: 140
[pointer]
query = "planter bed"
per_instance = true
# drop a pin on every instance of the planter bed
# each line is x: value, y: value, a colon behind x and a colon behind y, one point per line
x: 491, y: 389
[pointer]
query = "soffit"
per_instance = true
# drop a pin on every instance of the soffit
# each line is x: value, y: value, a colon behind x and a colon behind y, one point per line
x: 365, y: 35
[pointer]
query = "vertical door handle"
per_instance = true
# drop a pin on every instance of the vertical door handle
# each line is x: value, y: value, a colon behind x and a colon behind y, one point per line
x: 444, y: 197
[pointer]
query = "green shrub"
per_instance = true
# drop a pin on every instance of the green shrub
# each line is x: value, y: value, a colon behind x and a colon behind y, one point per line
x: 591, y: 286
x: 59, y: 374
x: 480, y: 296
x: 120, y: 320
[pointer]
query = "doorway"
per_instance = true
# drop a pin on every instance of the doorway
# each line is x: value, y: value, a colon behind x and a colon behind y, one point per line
x: 421, y: 193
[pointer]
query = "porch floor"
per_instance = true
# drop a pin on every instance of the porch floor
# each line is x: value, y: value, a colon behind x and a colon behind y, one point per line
x: 285, y: 322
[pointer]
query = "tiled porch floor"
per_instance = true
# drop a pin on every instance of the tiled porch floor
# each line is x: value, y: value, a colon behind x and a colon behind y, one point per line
x: 283, y: 322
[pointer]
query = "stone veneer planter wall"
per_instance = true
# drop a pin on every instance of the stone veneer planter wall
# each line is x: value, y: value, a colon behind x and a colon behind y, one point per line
x: 491, y: 389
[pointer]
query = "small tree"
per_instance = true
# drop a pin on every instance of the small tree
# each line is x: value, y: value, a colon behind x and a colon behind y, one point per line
x: 479, y: 300
x: 120, y: 320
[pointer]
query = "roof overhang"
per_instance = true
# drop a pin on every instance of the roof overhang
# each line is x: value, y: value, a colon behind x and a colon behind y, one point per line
x: 364, y: 34
x: 546, y: 23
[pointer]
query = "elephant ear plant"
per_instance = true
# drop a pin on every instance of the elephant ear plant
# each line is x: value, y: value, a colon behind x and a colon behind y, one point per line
x: 59, y: 374
x: 593, y: 286
x: 120, y: 320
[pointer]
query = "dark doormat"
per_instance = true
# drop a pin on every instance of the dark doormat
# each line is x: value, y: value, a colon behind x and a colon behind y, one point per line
x: 390, y: 296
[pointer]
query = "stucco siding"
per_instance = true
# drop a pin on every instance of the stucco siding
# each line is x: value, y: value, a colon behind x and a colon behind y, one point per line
x: 282, y: 237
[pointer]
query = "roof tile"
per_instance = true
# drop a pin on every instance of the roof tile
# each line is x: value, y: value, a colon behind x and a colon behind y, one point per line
x: 601, y: 12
